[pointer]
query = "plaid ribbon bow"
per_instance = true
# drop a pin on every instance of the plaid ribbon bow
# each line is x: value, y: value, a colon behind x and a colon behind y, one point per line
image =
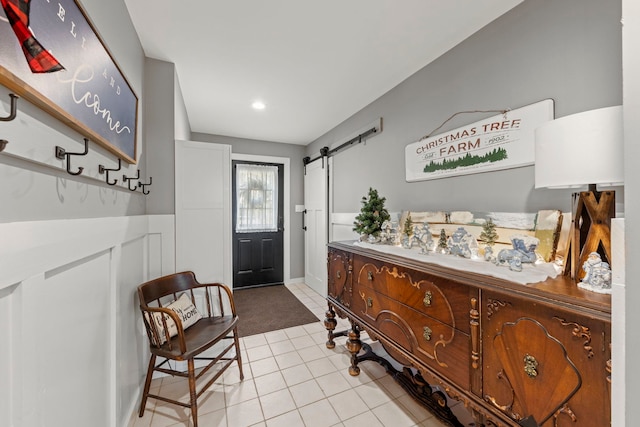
x: 38, y: 58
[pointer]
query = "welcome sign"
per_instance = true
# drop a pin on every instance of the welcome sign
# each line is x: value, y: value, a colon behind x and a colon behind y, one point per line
x: 500, y: 142
x: 90, y: 94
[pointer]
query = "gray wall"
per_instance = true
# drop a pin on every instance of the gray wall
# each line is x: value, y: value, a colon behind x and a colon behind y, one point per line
x: 567, y: 50
x: 159, y: 112
x: 30, y: 191
x: 181, y: 123
x: 293, y: 152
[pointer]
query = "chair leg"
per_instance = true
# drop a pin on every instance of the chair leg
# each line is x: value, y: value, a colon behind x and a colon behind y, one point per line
x: 147, y: 384
x: 192, y: 392
x: 237, y: 343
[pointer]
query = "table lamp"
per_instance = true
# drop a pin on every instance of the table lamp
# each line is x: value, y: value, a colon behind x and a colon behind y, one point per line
x: 583, y: 149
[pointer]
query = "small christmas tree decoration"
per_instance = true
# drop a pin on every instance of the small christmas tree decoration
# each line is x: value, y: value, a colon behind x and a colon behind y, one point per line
x: 442, y: 242
x: 372, y: 215
x: 489, y: 235
x: 408, y: 226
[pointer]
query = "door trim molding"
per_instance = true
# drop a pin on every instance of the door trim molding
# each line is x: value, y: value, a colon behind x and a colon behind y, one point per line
x: 287, y: 196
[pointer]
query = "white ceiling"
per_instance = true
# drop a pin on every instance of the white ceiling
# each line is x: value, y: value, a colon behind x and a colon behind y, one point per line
x: 313, y: 63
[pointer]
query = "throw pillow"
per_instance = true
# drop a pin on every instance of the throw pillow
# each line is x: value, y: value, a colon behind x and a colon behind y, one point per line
x: 185, y: 310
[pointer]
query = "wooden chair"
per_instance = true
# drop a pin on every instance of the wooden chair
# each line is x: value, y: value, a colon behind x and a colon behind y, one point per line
x: 214, y: 302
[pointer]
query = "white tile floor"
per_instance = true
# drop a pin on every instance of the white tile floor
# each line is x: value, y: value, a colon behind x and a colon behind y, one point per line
x: 291, y: 379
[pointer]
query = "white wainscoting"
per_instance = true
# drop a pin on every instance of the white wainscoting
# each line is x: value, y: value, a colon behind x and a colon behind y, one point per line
x: 341, y: 225
x: 76, y: 350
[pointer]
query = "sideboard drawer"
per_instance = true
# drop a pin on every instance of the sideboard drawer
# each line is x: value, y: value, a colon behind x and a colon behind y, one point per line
x: 439, y: 298
x: 435, y: 343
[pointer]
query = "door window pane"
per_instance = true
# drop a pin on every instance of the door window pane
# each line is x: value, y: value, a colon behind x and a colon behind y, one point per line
x: 256, y: 198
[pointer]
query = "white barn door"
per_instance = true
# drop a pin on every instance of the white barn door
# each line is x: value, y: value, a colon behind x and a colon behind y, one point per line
x: 203, y: 210
x: 316, y: 235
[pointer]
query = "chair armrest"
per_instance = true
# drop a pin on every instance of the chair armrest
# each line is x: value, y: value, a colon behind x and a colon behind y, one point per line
x: 152, y: 328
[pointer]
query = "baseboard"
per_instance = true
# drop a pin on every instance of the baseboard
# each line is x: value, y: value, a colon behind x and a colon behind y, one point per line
x: 294, y: 281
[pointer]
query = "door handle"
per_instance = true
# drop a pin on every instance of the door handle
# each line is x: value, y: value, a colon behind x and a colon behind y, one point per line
x: 304, y: 215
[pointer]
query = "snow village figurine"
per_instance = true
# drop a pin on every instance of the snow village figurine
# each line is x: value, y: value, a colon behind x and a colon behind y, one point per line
x: 443, y: 248
x: 597, y: 275
x: 416, y: 236
x: 422, y: 236
x: 395, y: 233
x: 473, y: 247
x: 489, y: 237
x: 387, y: 234
x: 524, y: 251
x: 461, y: 242
x: 372, y: 214
x: 488, y: 254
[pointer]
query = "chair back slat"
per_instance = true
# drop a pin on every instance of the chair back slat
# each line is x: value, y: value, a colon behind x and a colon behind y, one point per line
x: 207, y: 301
x: 220, y: 302
x: 155, y: 290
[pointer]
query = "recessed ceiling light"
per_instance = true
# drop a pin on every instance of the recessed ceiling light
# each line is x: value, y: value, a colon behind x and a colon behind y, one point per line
x: 258, y: 105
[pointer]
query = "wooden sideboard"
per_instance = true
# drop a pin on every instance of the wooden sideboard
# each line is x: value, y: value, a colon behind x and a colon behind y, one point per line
x: 516, y: 355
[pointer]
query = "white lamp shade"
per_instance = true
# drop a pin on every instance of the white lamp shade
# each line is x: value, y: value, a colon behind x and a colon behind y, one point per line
x: 580, y: 149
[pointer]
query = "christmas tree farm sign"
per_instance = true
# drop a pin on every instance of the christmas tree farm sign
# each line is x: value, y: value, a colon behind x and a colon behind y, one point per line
x: 500, y: 142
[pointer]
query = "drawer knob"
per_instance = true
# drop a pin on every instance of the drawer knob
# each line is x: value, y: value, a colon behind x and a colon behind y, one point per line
x: 369, y: 302
x: 427, y: 299
x: 426, y: 333
x: 530, y: 366
x: 338, y: 275
x: 370, y: 275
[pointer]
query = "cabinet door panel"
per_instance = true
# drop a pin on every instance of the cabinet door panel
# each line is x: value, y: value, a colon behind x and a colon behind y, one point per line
x: 339, y: 270
x: 544, y: 362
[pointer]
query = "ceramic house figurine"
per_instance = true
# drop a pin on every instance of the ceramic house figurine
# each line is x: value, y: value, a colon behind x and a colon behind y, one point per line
x: 388, y: 233
x: 597, y: 275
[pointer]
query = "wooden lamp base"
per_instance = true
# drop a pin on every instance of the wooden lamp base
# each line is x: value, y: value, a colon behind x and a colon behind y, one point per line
x: 590, y: 229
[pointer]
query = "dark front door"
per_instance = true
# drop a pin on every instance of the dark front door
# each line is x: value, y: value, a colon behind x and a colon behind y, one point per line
x: 258, y: 200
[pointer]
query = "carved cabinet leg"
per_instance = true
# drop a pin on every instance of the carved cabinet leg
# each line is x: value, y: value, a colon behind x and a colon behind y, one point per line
x: 330, y: 324
x: 354, y: 345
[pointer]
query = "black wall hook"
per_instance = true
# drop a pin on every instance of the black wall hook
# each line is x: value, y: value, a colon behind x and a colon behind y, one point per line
x: 61, y: 153
x: 102, y: 169
x: 14, y: 109
x: 143, y: 186
x: 128, y: 180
